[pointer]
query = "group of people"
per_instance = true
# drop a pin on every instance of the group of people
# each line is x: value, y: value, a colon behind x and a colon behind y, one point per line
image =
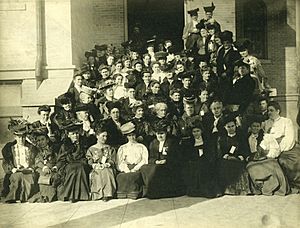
x: 157, y: 124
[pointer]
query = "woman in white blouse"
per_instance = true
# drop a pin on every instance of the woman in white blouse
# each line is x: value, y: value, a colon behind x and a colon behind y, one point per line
x: 130, y: 158
x: 283, y: 130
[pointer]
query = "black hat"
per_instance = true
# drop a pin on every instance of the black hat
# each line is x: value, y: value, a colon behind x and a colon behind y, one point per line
x: 161, y: 126
x: 200, y: 26
x: 193, y: 12
x: 110, y: 105
x: 88, y: 54
x: 65, y: 98
x: 106, y: 84
x: 136, y: 62
x: 209, y: 8
x: 242, y: 45
x: 45, y: 108
x: 72, y: 125
x: 126, y: 43
x: 211, y: 26
x: 169, y: 68
x: 81, y: 107
x: 255, y: 119
x: 151, y: 42
x: 185, y: 75
x: 40, y: 131
x: 102, y: 47
x: 227, y: 36
x: 129, y: 85
x: 190, y: 99
x: 161, y: 55
x: 241, y: 62
x: 196, y: 123
x: 103, y: 66
x: 146, y: 70
x: 227, y: 118
x: 137, y: 104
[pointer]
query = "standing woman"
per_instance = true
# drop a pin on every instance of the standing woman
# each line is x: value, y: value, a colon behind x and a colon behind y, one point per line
x: 130, y: 158
x: 283, y: 130
x: 18, y: 163
x: 72, y: 166
x: 102, y: 159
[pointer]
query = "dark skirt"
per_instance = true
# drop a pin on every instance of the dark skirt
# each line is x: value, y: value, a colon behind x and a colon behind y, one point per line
x: 22, y: 186
x: 200, y: 179
x: 129, y: 185
x: 233, y: 177
x: 267, y: 178
x: 161, y: 181
x: 290, y: 164
x: 75, y: 186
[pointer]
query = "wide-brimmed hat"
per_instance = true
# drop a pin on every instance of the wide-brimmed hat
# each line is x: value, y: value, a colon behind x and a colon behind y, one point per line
x: 102, y: 47
x: 193, y: 12
x: 81, y: 107
x: 19, y: 126
x: 161, y: 126
x: 106, y: 84
x: 209, y: 8
x: 127, y: 128
x: 72, y: 125
x: 88, y: 90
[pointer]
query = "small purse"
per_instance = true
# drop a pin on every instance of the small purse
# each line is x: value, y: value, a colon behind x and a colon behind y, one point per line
x: 45, y: 180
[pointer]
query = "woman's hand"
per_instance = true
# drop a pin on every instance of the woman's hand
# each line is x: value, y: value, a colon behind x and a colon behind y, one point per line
x: 46, y: 170
x: 226, y: 156
x: 14, y: 170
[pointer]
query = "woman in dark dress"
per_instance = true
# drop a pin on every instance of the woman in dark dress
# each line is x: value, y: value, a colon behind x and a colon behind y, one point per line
x: 18, y: 164
x: 199, y: 164
x: 72, y: 166
x: 232, y: 153
x: 162, y: 175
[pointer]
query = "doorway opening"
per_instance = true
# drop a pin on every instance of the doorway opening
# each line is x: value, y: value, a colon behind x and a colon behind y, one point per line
x: 163, y: 18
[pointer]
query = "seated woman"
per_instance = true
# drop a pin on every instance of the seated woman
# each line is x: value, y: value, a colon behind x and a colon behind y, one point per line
x: 232, y: 152
x: 130, y: 158
x: 144, y: 133
x: 282, y: 129
x: 199, y: 164
x: 162, y: 176
x: 72, y: 166
x: 264, y: 170
x: 45, y: 166
x: 102, y: 159
x: 18, y: 163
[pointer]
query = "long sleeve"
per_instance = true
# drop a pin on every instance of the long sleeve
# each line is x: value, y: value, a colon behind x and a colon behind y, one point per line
x: 121, y: 161
x: 288, y: 141
x: 270, y: 144
x: 144, y: 159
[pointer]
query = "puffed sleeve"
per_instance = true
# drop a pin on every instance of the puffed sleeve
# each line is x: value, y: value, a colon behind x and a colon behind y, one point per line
x: 144, y: 159
x: 288, y: 141
x: 121, y: 161
x: 89, y: 156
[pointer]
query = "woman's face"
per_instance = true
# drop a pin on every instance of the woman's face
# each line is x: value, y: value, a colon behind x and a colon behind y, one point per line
x: 131, y: 93
x: 44, y: 116
x: 109, y: 92
x: 255, y: 127
x: 67, y: 107
x: 203, y: 96
x: 273, y: 113
x: 197, y: 133
x: 155, y: 88
x: 147, y: 77
x: 244, y: 53
x: 138, y: 67
x: 78, y: 81
x: 155, y: 68
x: 104, y: 73
x: 42, y: 141
x: 131, y: 137
x: 85, y: 98
x: 203, y: 32
x: 216, y: 108
x: 127, y: 63
x: 180, y: 68
x: 74, y: 136
x: 230, y: 127
x: 189, y: 109
x: 86, y: 75
x: 147, y: 59
x: 119, y: 66
x: 161, y: 112
x: 119, y: 80
x: 175, y: 97
x: 206, y: 75
x: 134, y: 55
x: 110, y: 60
x: 243, y: 70
x: 227, y: 44
x: 115, y: 114
x: 82, y: 115
x: 139, y: 112
x: 102, y: 137
x: 161, y: 136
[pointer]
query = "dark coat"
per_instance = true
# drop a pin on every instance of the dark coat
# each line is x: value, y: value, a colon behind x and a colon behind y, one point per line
x: 141, y: 90
x: 225, y: 62
x: 115, y: 136
x: 165, y: 86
